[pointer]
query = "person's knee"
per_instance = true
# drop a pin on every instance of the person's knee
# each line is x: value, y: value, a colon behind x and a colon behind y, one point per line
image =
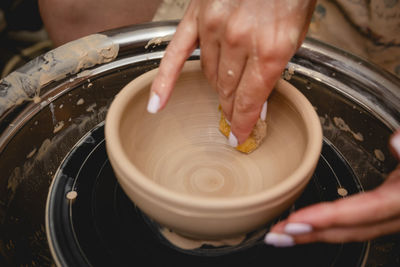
x: 66, y: 20
x: 61, y: 19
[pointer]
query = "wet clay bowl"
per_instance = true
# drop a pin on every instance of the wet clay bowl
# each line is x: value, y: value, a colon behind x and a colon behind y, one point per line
x: 180, y: 170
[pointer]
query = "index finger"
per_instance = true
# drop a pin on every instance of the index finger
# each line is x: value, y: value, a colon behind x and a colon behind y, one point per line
x: 179, y: 49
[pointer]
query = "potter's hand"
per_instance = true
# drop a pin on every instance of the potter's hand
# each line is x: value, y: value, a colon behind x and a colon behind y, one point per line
x: 245, y: 46
x: 357, y: 218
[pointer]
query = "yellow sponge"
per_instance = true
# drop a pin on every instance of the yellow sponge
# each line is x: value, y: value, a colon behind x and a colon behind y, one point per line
x: 253, y: 141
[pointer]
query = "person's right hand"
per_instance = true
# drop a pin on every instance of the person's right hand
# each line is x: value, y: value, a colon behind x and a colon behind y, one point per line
x: 245, y: 46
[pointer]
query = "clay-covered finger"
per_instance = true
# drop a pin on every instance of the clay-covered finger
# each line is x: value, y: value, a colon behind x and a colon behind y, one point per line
x: 232, y: 62
x: 250, y: 97
x: 179, y: 49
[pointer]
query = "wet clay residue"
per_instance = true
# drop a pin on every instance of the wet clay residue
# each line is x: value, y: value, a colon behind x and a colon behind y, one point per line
x: 341, y: 124
x: 91, y: 108
x: 59, y: 125
x: 80, y: 101
x: 26, y: 82
x: 71, y: 195
x: 31, y: 153
x: 184, y: 242
x: 342, y: 192
x: 287, y: 74
x: 158, y: 40
x: 379, y: 154
x: 46, y: 150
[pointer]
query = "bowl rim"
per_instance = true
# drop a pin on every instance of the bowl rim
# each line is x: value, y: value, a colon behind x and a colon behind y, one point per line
x: 149, y: 187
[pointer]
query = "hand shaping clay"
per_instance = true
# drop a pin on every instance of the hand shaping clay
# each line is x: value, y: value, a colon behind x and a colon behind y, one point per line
x: 180, y: 170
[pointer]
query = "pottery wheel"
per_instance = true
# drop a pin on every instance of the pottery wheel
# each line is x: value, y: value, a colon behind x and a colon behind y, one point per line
x: 92, y: 221
x: 358, y: 106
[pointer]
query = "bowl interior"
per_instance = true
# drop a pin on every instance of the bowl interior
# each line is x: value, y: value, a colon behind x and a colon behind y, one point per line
x: 181, y: 148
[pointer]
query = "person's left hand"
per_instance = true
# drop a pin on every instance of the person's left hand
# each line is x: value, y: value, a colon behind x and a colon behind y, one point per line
x: 356, y: 218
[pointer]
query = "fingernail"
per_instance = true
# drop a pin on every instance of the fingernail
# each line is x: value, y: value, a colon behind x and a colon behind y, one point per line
x: 233, y: 140
x: 154, y: 103
x: 395, y: 143
x: 263, y: 114
x: 298, y: 228
x: 279, y: 240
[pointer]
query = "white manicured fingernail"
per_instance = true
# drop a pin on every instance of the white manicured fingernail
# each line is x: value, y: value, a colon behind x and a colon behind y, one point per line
x: 233, y: 140
x: 228, y: 122
x: 154, y: 103
x: 298, y: 228
x: 279, y: 240
x: 395, y: 143
x: 263, y: 114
